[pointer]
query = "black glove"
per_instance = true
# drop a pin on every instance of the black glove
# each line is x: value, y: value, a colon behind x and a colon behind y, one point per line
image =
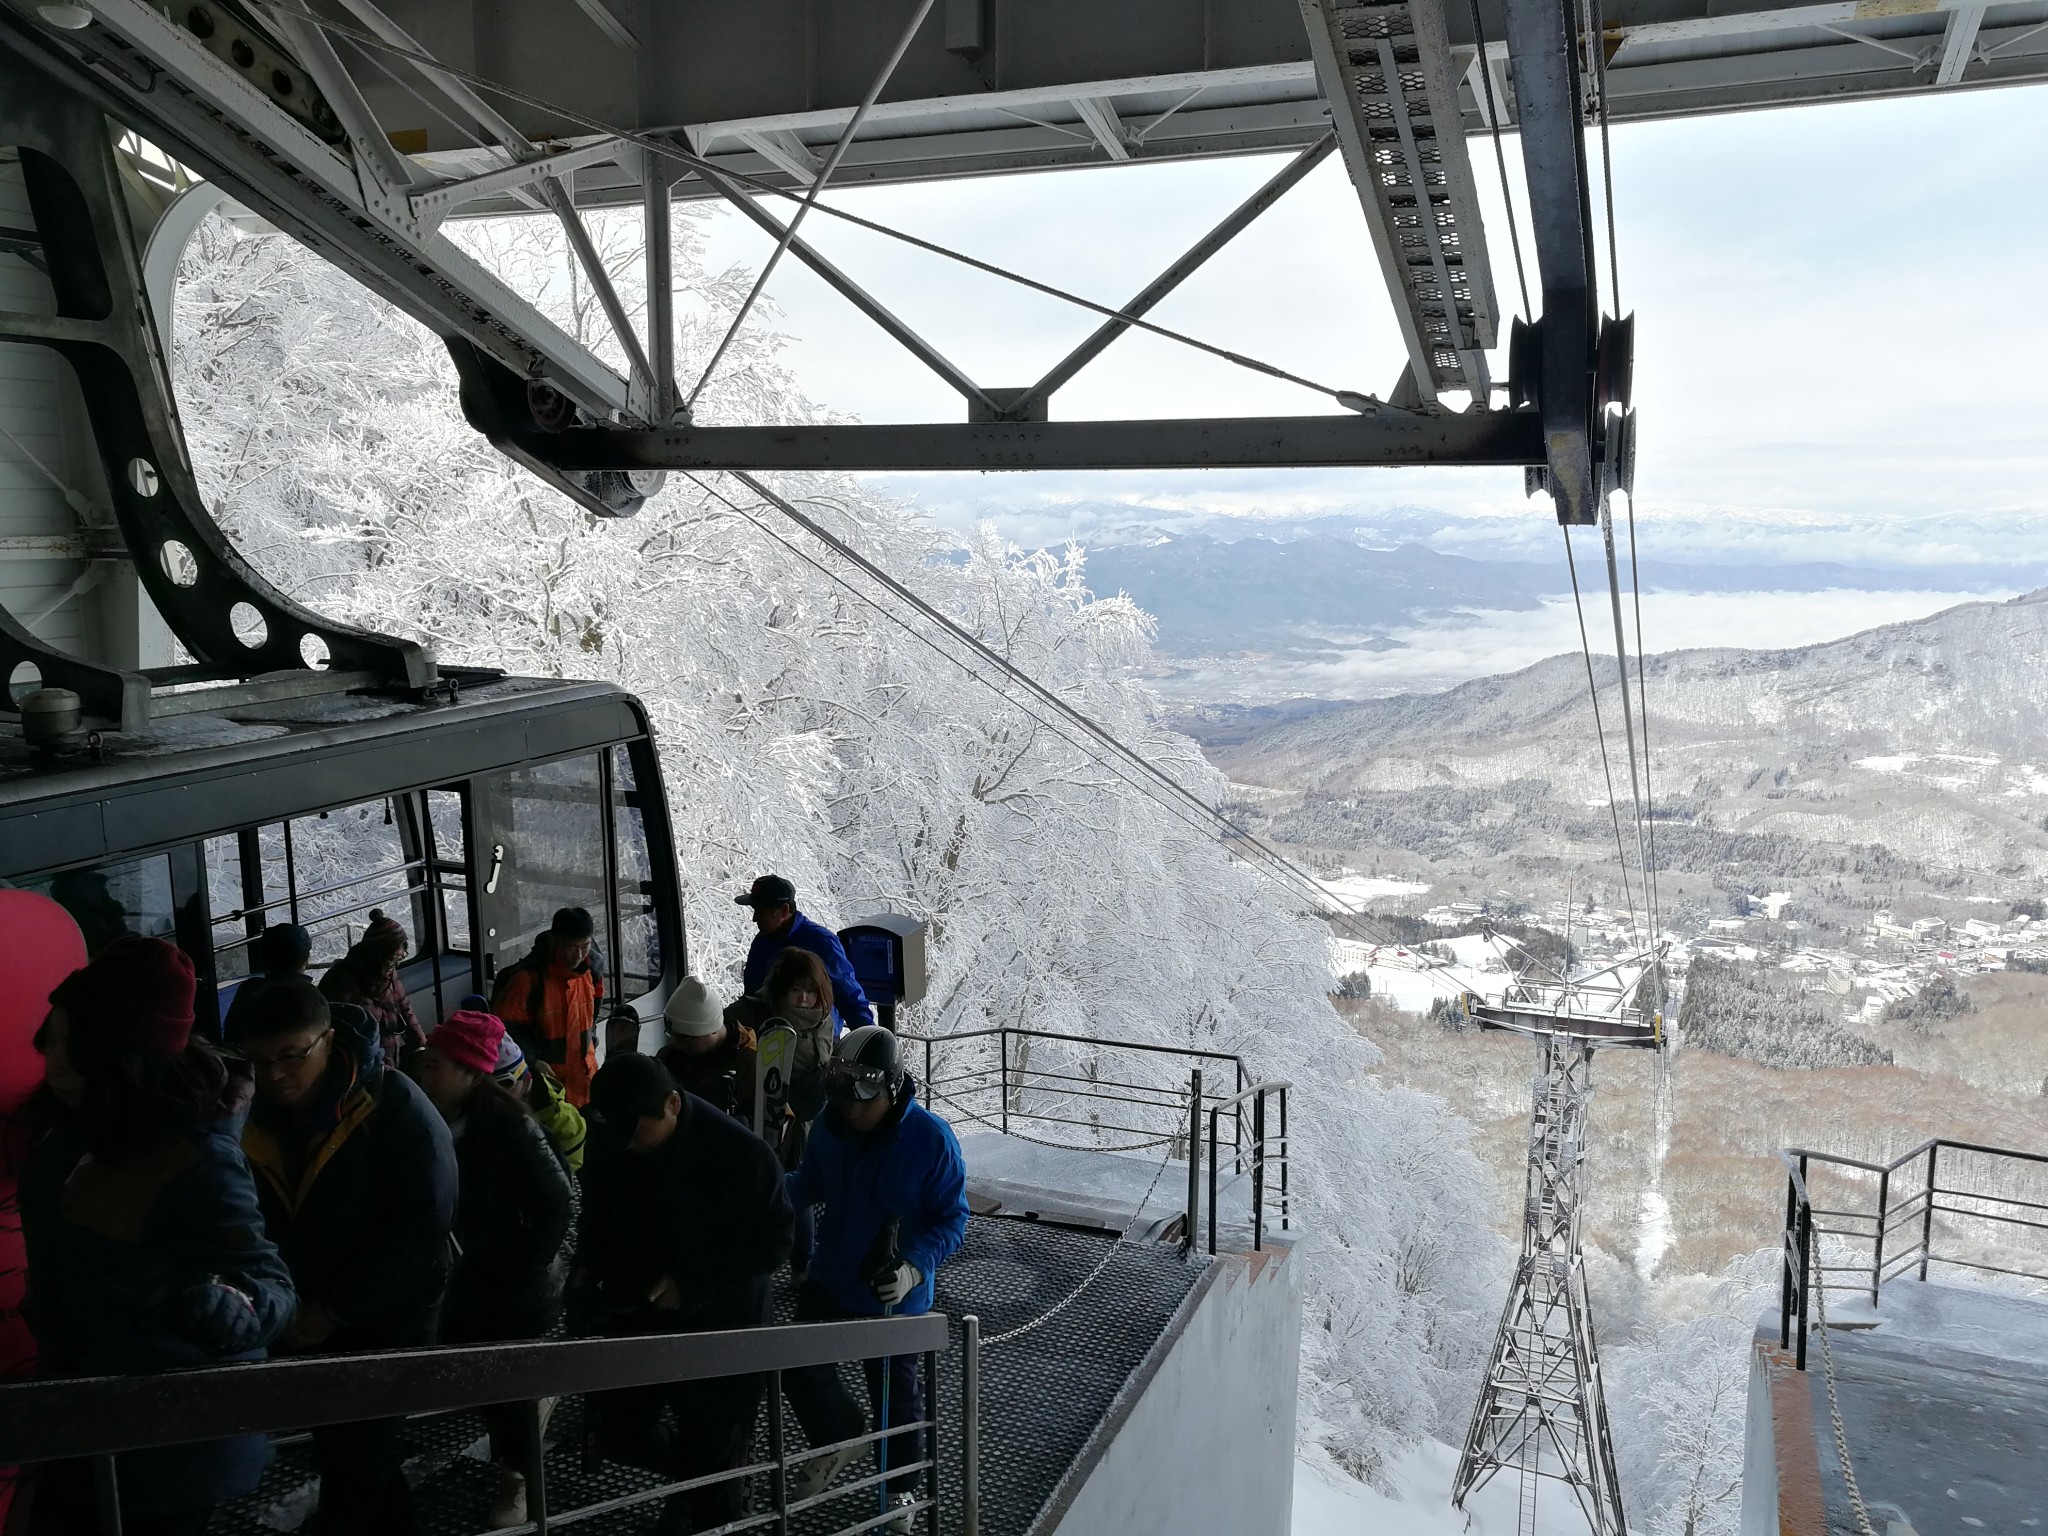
x: 219, y: 1315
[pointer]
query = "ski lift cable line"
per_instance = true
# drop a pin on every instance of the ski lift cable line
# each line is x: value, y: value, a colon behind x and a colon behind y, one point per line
x: 694, y: 162
x: 1643, y: 699
x: 1599, y: 726
x: 1238, y: 833
x: 1627, y: 707
x: 1187, y: 807
x: 1500, y: 156
x: 1197, y: 814
x: 810, y: 201
x: 1282, y: 872
x: 1596, y: 40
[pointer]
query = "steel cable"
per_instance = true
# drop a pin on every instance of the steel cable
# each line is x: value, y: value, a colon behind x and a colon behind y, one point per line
x: 1600, y: 728
x: 1187, y: 806
x: 1500, y: 155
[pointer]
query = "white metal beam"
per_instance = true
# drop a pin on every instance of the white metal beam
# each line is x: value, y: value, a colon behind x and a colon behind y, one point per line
x: 784, y: 150
x: 613, y: 28
x: 433, y: 204
x: 1958, y: 43
x: 1102, y: 121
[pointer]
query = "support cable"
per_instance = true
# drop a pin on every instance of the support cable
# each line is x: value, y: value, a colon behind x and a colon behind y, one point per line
x: 760, y: 184
x: 1628, y: 726
x: 1599, y: 727
x: 1126, y: 763
x: 810, y: 201
x: 1596, y: 38
x: 1500, y: 156
x: 1643, y: 700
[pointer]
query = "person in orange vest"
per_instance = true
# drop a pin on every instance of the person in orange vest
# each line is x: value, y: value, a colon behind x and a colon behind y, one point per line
x: 549, y: 1002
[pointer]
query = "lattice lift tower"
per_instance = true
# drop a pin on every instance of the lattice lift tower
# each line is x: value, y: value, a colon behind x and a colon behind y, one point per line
x: 1542, y: 1409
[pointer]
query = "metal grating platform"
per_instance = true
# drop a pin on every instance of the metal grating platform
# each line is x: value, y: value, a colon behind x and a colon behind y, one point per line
x: 1043, y: 1394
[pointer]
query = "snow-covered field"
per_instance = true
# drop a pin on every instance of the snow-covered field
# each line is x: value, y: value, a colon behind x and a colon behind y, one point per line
x: 1361, y: 888
x: 1328, y: 1503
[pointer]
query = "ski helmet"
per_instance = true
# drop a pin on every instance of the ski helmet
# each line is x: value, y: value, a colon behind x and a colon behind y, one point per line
x: 864, y: 1062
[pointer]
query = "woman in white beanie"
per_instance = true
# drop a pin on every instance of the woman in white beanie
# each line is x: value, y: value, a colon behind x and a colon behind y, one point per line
x: 706, y: 1054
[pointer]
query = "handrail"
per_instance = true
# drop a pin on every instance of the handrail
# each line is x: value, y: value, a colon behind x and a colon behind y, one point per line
x: 67, y: 1417
x: 1805, y: 1221
x: 1257, y: 1095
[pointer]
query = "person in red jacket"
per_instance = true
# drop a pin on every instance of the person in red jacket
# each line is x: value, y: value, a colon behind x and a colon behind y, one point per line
x: 40, y: 945
x: 549, y: 1002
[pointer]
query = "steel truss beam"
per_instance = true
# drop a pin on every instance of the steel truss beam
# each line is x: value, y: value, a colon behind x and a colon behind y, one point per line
x: 1501, y: 439
x: 1385, y: 66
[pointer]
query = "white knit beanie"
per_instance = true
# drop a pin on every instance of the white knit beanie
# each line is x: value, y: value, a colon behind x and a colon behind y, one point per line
x: 691, y: 1012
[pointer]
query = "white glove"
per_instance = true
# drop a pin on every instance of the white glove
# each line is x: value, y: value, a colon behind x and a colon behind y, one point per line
x: 897, y: 1284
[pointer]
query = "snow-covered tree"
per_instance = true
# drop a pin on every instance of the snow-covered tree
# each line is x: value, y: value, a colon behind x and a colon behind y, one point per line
x: 803, y: 732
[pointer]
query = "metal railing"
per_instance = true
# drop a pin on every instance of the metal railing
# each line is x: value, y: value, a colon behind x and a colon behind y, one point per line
x: 95, y: 1418
x: 1126, y: 1089
x: 1994, y: 1201
x: 1251, y: 1163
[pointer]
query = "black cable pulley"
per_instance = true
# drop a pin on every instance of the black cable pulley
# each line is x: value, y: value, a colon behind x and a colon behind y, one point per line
x: 1614, y: 362
x: 1525, y: 361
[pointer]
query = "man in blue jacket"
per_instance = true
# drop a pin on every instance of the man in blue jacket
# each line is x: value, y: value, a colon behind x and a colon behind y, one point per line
x: 894, y: 1188
x: 355, y: 1171
x: 774, y: 902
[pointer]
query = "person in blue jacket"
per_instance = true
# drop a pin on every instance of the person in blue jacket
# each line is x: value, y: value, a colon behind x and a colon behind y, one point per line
x: 146, y: 1250
x: 894, y: 1187
x: 781, y: 925
x: 356, y: 1173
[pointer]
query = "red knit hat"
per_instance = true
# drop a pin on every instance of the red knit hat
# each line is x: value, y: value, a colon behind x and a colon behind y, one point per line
x: 137, y: 992
x: 470, y: 1040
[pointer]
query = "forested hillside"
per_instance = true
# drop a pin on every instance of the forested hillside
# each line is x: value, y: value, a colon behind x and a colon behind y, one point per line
x: 803, y: 733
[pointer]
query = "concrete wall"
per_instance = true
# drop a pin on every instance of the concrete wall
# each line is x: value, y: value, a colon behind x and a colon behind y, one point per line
x: 1759, y: 1454
x: 1203, y: 1437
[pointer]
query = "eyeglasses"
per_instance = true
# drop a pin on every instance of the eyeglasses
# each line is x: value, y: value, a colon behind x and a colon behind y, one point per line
x: 285, y: 1060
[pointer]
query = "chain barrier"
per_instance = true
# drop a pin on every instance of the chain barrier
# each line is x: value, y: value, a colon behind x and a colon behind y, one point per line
x: 1827, y: 1370
x: 1089, y: 1279
x: 1058, y: 1146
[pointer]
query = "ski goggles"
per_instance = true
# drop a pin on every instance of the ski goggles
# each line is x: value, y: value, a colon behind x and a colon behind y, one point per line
x: 850, y: 1080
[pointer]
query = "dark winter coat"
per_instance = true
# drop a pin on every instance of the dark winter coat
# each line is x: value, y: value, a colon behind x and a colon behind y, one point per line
x: 512, y: 1221
x: 849, y: 1002
x: 360, y: 1200
x: 706, y: 1209
x: 381, y: 995
x: 908, y: 1167
x: 123, y: 1264
x: 724, y: 1076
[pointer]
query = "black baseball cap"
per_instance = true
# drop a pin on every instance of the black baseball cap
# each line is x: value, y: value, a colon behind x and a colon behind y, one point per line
x: 768, y: 891
x: 629, y: 1088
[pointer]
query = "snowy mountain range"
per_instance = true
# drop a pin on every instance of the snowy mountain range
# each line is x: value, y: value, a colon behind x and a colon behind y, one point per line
x: 1926, y: 738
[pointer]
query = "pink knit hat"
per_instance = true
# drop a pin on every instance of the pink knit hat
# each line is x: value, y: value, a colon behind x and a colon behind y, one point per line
x: 470, y: 1040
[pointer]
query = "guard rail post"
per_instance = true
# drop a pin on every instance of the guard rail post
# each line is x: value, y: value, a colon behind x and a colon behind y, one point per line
x: 1195, y: 1165
x: 931, y: 1443
x: 1003, y: 1075
x: 1884, y: 1191
x: 1258, y: 1171
x: 1927, y: 1216
x: 1785, y: 1244
x: 1286, y: 1156
x: 970, y: 1426
x: 107, y: 1491
x: 1806, y: 1276
x: 778, y: 1452
x: 536, y: 1468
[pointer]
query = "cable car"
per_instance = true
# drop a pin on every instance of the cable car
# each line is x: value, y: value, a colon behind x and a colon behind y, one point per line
x: 469, y: 816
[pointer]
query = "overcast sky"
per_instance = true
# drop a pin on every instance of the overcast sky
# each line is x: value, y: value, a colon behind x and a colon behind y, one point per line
x: 1841, y: 313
